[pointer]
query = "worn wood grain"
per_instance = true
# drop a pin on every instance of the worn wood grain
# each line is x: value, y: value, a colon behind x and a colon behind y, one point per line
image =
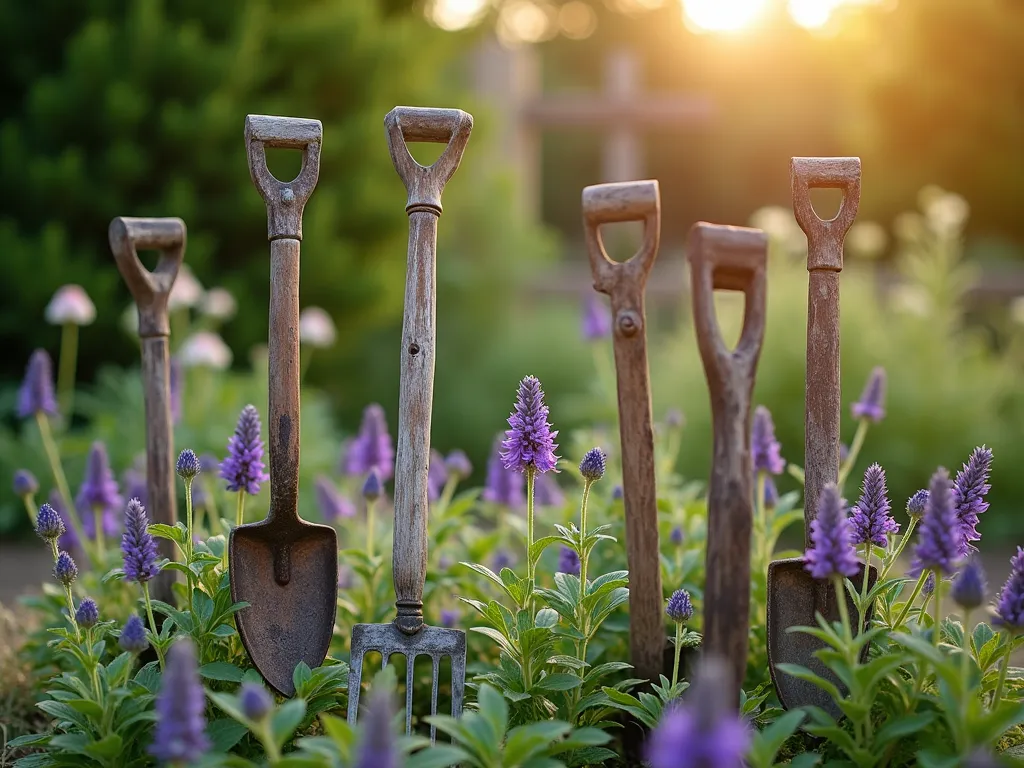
x: 624, y: 283
x: 729, y: 258
x: 150, y: 290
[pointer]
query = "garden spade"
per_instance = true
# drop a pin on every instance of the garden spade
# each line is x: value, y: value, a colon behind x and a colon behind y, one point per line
x: 732, y: 259
x: 794, y: 597
x: 625, y: 283
x: 285, y: 568
x: 407, y: 635
x: 150, y: 291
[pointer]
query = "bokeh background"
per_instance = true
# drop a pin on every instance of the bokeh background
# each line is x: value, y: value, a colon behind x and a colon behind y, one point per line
x: 136, y: 107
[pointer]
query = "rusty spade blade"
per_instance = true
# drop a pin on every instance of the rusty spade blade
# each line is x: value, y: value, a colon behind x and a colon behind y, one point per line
x: 284, y: 567
x: 734, y: 259
x: 407, y: 635
x: 793, y: 596
x: 150, y: 290
x: 625, y: 283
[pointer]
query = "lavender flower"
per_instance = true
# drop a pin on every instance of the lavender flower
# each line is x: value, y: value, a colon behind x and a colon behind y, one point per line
x: 64, y: 569
x: 449, y: 618
x: 1010, y: 604
x: 137, y: 545
x: 568, y: 561
x: 917, y: 503
x: 529, y: 443
x: 702, y: 734
x: 503, y: 486
x: 831, y: 552
x: 98, y: 493
x: 771, y: 492
x: 372, y: 487
x: 546, y: 491
x: 674, y: 419
x: 256, y: 702
x: 243, y: 466
x: 175, y: 385
x: 437, y: 476
x: 87, y: 614
x: 180, y: 732
x: 458, y: 465
x: 680, y: 607
x: 49, y: 525
x: 133, y: 635
x: 764, y: 448
x: 503, y: 559
x: 378, y: 745
x: 593, y: 465
x: 617, y: 493
x: 372, y: 448
x: 36, y: 394
x: 970, y: 585
x: 929, y: 584
x: 676, y: 536
x: 938, y: 542
x: 871, y: 405
x: 333, y: 505
x: 188, y: 465
x: 25, y: 483
x: 872, y: 516
x: 597, y: 319
x: 969, y: 491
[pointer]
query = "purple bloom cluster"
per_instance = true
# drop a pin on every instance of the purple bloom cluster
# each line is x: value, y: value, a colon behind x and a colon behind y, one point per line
x: 36, y: 394
x: 137, y: 545
x: 378, y: 746
x: 64, y: 569
x: 1010, y: 604
x: 49, y: 524
x: 437, y: 476
x: 529, y: 443
x: 831, y: 552
x: 133, y: 635
x: 243, y: 466
x: 503, y: 486
x: 502, y: 559
x: 680, y: 607
x: 180, y: 732
x: 449, y: 618
x: 568, y: 561
x: 970, y: 585
x: 372, y: 447
x: 593, y: 465
x: 938, y: 542
x: 256, y: 702
x: 372, y: 486
x: 25, y: 483
x: 546, y: 491
x: 871, y: 405
x: 969, y: 489
x: 458, y: 465
x: 68, y: 539
x: 917, y: 503
x: 99, y: 493
x: 597, y: 318
x: 872, y: 514
x: 765, y: 450
x: 333, y: 504
x: 771, y: 492
x: 676, y: 536
x: 188, y: 465
x: 87, y: 614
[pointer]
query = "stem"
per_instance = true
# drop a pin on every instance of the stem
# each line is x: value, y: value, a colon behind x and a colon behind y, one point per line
x: 762, y: 517
x: 30, y: 507
x: 530, y: 474
x: 844, y: 611
x: 966, y: 660
x: 899, y: 549
x: 679, y: 648
x: 188, y: 521
x: 447, y: 493
x: 1002, y: 673
x: 917, y: 590
x: 62, y: 483
x: 101, y: 542
x: 267, y: 739
x: 71, y: 611
x: 152, y: 622
x: 584, y: 554
x: 867, y: 569
x: 370, y: 504
x: 938, y: 616
x: 851, y: 457
x: 66, y: 369
x: 240, y: 509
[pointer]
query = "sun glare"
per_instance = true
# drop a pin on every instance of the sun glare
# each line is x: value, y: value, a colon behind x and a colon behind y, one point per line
x: 453, y: 15
x: 723, y: 15
x: 812, y: 14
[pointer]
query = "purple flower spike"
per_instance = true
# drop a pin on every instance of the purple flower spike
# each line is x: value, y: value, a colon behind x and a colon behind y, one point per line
x: 458, y: 465
x: 25, y: 483
x: 872, y: 514
x: 503, y: 559
x: 871, y: 405
x: 256, y: 702
x: 592, y: 466
x: 680, y: 607
x: 916, y: 504
x: 378, y: 745
x: 449, y: 618
x: 831, y: 553
x: 333, y: 505
x: 546, y: 491
x: 969, y: 491
x: 372, y: 487
x: 49, y: 524
x: 188, y: 466
x: 99, y: 493
x: 771, y: 492
x: 597, y: 318
x: 372, y: 447
x: 64, y: 569
x: 617, y: 493
x: 88, y: 614
x: 676, y: 536
x: 503, y: 486
x: 929, y: 584
x: 764, y: 448
x: 529, y: 443
x: 36, y: 394
x: 568, y: 562
x: 938, y: 542
x: 243, y: 466
x: 437, y: 476
x: 970, y: 586
x: 133, y: 635
x: 137, y: 545
x: 180, y: 732
x: 702, y: 734
x: 1010, y: 605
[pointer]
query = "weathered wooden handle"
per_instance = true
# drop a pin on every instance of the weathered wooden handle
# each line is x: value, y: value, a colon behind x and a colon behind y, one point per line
x: 617, y: 202
x: 730, y: 258
x: 149, y: 289
x: 416, y: 387
x: 825, y: 237
x: 425, y: 184
x: 285, y: 200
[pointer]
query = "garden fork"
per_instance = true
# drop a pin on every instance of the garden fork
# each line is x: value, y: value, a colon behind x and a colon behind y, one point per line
x: 407, y: 634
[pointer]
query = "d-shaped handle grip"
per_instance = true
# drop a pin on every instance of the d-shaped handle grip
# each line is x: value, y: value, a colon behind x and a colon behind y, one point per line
x: 617, y: 202
x: 439, y: 126
x: 149, y: 289
x: 825, y: 237
x: 285, y: 200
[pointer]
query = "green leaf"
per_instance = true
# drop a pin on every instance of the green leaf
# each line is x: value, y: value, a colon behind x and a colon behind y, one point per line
x: 175, y: 533
x: 802, y: 673
x: 546, y: 618
x: 528, y: 741
x: 769, y: 741
x: 223, y: 630
x: 286, y: 720
x: 86, y: 707
x: 557, y: 682
x: 301, y: 677
x: 222, y: 670
x: 494, y: 711
x: 438, y: 756
x: 904, y: 726
x: 228, y: 704
x: 106, y: 748
x: 225, y: 733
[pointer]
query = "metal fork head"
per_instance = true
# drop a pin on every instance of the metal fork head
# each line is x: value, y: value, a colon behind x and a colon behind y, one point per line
x: 387, y: 639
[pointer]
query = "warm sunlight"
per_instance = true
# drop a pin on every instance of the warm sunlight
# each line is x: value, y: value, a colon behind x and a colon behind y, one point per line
x: 456, y: 14
x: 812, y: 14
x: 723, y: 15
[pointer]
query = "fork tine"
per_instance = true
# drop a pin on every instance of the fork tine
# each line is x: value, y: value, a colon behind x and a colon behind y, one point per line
x: 436, y: 660
x: 355, y: 680
x: 409, y: 670
x: 458, y: 681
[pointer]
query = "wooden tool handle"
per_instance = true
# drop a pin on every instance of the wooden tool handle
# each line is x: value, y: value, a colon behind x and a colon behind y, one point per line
x: 149, y: 289
x: 624, y: 283
x: 730, y: 258
x: 416, y: 388
x: 285, y: 200
x: 824, y: 262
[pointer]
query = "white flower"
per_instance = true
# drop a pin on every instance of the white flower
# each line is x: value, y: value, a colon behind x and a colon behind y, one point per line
x: 186, y: 291
x: 867, y: 239
x: 70, y: 305
x: 130, y: 320
x: 316, y: 327
x: 205, y: 349
x: 777, y: 222
x: 219, y: 304
x: 948, y: 213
